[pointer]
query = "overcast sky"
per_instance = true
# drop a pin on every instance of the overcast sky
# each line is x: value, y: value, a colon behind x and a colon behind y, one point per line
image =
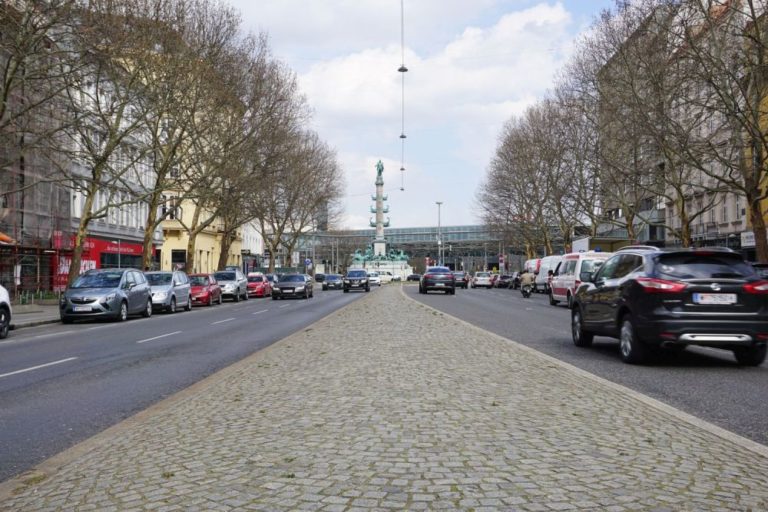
x: 472, y: 64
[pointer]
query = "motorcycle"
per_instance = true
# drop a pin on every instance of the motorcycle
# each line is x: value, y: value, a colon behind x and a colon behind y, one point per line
x: 526, y: 290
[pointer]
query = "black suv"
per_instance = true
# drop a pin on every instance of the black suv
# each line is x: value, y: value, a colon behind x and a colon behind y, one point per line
x: 356, y: 279
x: 651, y: 298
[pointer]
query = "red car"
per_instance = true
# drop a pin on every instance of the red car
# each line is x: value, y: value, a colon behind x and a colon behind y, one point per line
x: 258, y: 285
x: 204, y: 289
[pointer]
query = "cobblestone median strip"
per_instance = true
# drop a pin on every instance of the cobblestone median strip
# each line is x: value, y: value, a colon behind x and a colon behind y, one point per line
x: 390, y: 405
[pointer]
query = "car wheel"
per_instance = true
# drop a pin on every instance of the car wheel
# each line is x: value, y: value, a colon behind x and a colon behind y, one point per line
x: 245, y: 295
x: 148, y: 310
x: 122, y: 315
x: 172, y: 306
x: 210, y: 300
x: 452, y: 291
x: 570, y: 301
x: 188, y: 306
x: 346, y: 290
x: 306, y: 294
x: 221, y: 299
x: 750, y: 356
x: 66, y: 320
x: 5, y: 323
x: 236, y: 297
x: 581, y: 338
x: 274, y: 297
x: 552, y: 301
x: 633, y: 351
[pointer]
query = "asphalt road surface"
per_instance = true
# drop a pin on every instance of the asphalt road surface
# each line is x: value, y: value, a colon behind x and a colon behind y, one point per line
x: 704, y: 382
x: 60, y: 384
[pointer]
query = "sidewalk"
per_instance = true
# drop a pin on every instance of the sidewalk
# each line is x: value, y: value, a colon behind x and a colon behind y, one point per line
x: 29, y: 315
x: 390, y: 405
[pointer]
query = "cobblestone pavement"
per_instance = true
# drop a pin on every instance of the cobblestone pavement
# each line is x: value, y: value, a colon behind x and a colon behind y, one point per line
x: 390, y: 405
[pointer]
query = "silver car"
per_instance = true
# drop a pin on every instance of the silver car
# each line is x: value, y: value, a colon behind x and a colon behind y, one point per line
x: 5, y: 312
x: 169, y: 290
x: 233, y: 284
x: 107, y: 293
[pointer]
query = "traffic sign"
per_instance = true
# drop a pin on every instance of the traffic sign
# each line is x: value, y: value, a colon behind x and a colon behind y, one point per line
x: 307, y: 262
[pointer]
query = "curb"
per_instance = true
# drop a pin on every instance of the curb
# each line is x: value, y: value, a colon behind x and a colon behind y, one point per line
x: 34, y: 323
x: 660, y: 406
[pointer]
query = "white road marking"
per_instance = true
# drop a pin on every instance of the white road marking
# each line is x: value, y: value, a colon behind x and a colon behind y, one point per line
x: 283, y: 306
x: 158, y: 337
x: 222, y: 321
x: 259, y: 312
x: 37, y: 367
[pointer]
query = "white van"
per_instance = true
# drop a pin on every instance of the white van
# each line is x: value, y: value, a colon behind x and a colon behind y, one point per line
x: 567, y: 276
x: 541, y: 283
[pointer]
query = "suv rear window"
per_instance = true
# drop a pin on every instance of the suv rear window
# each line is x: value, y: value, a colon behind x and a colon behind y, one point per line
x: 703, y: 266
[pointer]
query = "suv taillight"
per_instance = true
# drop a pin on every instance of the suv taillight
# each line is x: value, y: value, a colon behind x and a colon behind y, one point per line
x: 757, y: 288
x: 651, y: 285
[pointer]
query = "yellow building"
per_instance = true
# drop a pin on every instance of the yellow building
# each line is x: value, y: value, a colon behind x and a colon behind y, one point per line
x: 207, y: 243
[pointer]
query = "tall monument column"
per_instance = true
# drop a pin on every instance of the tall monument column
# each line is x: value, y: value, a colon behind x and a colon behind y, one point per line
x: 379, y: 242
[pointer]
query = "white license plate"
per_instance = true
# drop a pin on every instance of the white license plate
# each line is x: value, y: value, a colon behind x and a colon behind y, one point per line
x: 439, y: 284
x: 715, y: 298
x: 81, y: 308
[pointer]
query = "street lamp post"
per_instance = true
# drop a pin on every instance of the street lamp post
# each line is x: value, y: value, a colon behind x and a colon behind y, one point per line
x: 439, y: 235
x: 118, y: 254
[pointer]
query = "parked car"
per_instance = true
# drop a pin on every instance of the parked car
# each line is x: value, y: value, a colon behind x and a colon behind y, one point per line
x: 293, y: 285
x: 761, y: 269
x: 532, y: 265
x: 514, y: 282
x: 462, y: 279
x: 566, y: 280
x: 114, y: 293
x: 319, y: 278
x: 6, y: 312
x: 233, y: 284
x: 438, y: 278
x: 543, y: 279
x: 413, y: 277
x: 272, y: 278
x: 374, y: 278
x: 652, y: 298
x: 258, y: 285
x: 169, y: 290
x: 386, y: 276
x: 397, y: 278
x: 205, y: 289
x: 503, y: 281
x: 356, y: 279
x: 333, y: 282
x: 481, y: 279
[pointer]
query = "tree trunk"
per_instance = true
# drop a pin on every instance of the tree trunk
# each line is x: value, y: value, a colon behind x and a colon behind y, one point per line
x: 226, y: 243
x: 149, y: 230
x: 758, y: 226
x: 191, y: 242
x: 82, y: 232
x: 630, y: 223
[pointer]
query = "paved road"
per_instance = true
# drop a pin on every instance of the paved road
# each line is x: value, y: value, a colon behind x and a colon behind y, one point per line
x: 60, y: 384
x: 362, y: 413
x: 704, y: 382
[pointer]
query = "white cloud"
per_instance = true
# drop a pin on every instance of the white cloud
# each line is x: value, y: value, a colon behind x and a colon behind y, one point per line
x: 472, y: 65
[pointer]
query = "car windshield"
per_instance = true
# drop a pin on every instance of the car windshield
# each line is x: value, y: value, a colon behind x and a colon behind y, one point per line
x: 224, y: 276
x: 255, y: 279
x: 332, y: 278
x: 98, y: 280
x: 373, y: 274
x: 159, y: 279
x: 295, y: 278
x: 198, y: 280
x: 591, y: 265
x: 703, y: 266
x: 357, y: 273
